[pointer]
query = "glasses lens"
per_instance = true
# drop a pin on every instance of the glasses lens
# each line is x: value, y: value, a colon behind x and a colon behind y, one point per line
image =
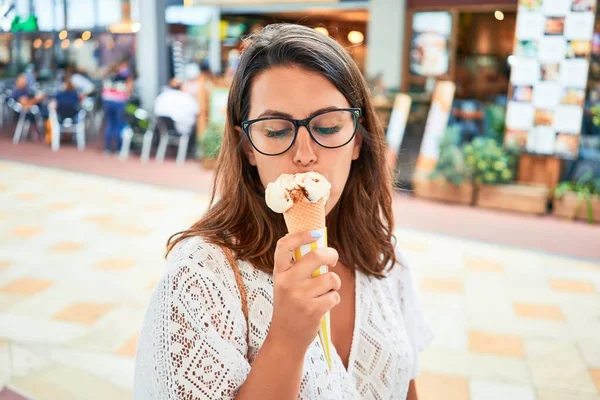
x: 272, y: 136
x: 333, y: 128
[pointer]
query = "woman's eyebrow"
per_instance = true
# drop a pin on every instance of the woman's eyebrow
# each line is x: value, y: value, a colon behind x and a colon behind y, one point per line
x: 274, y: 113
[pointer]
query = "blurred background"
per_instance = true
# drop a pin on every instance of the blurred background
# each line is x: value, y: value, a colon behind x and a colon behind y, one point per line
x: 111, y: 116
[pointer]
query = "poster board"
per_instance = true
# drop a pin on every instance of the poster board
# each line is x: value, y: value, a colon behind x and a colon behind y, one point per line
x: 218, y: 105
x: 437, y: 121
x: 397, y: 126
x: 430, y: 43
x: 549, y: 76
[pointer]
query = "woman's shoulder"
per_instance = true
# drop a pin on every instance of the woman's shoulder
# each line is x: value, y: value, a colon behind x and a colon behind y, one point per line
x: 195, y: 260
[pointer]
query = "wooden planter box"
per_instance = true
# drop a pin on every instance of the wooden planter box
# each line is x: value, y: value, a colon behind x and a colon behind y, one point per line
x: 209, y: 163
x: 442, y: 190
x: 566, y: 205
x: 532, y: 199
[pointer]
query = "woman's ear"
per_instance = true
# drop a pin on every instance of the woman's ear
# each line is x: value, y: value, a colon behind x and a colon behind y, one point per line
x: 247, y: 147
x: 358, y: 141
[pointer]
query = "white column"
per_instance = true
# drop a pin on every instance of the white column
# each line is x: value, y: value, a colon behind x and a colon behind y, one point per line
x: 386, y: 40
x: 151, y: 54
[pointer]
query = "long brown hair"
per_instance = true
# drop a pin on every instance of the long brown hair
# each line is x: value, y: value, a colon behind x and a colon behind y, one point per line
x: 361, y: 226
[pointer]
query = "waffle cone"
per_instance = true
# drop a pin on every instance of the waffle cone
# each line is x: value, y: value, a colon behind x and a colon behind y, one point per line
x: 305, y: 216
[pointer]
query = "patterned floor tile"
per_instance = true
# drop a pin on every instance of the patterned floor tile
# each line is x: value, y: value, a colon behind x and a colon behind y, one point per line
x: 63, y: 382
x: 482, y: 264
x: 29, y: 196
x: 595, y: 373
x: 559, y: 394
x: 128, y: 349
x: 434, y: 387
x: 83, y: 313
x: 490, y: 343
x: 25, y: 232
x: 61, y: 206
x: 116, y: 264
x: 476, y: 366
x: 488, y: 390
x: 558, y: 364
x: 442, y: 285
x: 538, y: 311
x: 66, y: 247
x: 572, y: 286
x: 26, y: 286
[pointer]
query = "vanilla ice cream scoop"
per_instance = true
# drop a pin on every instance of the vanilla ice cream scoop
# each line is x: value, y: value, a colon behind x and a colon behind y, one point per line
x: 287, y: 189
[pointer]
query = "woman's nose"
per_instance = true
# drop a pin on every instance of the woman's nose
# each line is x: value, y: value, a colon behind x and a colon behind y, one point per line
x: 304, y: 148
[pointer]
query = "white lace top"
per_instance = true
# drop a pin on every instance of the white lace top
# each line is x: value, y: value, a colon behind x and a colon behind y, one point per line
x: 194, y: 345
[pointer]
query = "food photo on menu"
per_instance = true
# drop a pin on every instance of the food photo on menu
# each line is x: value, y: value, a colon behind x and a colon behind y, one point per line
x: 530, y: 5
x: 550, y: 72
x: 573, y: 96
x: 543, y: 117
x: 567, y: 145
x: 522, y: 93
x: 526, y: 48
x: 579, y: 48
x: 555, y: 25
x: 516, y: 138
x: 583, y: 5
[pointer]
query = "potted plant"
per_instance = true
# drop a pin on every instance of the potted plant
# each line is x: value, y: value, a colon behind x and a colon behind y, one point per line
x: 578, y: 199
x: 211, y: 144
x: 493, y: 169
x: 450, y: 181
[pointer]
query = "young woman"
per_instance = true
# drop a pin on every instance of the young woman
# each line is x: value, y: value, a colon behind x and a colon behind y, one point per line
x: 234, y: 315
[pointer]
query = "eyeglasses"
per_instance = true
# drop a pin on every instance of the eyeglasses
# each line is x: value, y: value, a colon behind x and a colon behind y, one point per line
x: 331, y: 129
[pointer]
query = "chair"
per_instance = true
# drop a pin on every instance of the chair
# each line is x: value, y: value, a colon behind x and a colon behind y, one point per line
x: 24, y: 122
x: 67, y: 118
x: 4, y: 109
x: 170, y: 136
x: 133, y: 129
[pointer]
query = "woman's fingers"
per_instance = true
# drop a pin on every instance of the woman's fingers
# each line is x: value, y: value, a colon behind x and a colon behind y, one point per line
x: 320, y: 285
x: 284, y: 252
x: 304, y: 268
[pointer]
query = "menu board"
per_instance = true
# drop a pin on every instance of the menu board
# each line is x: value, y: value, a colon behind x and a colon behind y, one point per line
x: 549, y: 76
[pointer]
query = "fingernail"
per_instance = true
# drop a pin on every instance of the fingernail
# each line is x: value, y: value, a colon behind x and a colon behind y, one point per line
x: 316, y: 234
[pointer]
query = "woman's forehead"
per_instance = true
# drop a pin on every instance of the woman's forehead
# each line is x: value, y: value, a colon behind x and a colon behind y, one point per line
x: 293, y: 91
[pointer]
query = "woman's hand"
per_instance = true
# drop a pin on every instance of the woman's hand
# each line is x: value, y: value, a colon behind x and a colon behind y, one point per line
x: 301, y: 301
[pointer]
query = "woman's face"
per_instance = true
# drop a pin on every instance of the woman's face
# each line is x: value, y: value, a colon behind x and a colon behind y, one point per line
x: 300, y: 93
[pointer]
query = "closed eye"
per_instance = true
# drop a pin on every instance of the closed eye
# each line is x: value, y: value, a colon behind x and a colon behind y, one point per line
x: 321, y: 130
x: 278, y: 134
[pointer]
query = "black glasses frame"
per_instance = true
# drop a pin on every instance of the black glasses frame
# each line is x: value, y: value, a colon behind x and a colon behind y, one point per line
x: 356, y: 114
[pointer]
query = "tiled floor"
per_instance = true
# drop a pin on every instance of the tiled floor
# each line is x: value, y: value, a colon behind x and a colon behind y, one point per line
x: 80, y: 254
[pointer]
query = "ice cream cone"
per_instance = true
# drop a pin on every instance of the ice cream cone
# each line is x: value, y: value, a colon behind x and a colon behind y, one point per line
x: 307, y: 216
x: 301, y: 199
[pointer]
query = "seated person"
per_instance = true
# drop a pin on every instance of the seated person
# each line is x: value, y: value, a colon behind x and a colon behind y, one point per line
x: 28, y: 99
x: 22, y: 94
x: 181, y: 107
x: 67, y: 101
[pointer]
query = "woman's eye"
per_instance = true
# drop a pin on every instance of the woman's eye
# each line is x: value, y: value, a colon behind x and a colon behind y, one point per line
x: 278, y: 134
x: 321, y: 130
